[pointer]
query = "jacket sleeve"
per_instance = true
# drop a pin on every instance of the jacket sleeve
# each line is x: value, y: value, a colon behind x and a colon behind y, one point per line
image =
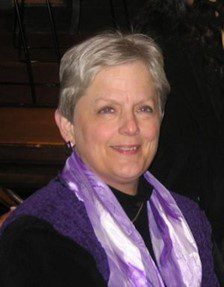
x: 33, y: 253
x: 201, y: 230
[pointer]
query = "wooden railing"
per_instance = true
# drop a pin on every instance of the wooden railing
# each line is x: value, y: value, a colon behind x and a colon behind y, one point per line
x: 31, y: 148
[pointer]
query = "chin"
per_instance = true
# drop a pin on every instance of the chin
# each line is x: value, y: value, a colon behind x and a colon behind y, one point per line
x: 131, y: 174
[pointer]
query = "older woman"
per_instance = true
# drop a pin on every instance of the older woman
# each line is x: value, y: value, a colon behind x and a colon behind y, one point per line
x: 105, y: 221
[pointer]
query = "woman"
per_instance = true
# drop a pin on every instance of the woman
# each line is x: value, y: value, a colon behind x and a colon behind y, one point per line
x: 105, y: 221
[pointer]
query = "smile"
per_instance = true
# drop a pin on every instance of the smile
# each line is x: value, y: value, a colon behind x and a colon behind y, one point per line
x: 127, y: 149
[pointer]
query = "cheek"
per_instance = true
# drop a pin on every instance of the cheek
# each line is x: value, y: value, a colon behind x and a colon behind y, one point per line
x: 103, y: 131
x: 151, y: 132
x: 93, y: 133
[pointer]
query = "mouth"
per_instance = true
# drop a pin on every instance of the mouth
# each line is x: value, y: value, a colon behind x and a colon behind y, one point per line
x: 126, y: 149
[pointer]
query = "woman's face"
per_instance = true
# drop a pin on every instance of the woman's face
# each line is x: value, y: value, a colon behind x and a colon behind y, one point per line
x: 116, y: 125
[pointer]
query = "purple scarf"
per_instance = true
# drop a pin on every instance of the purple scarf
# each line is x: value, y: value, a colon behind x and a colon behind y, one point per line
x: 177, y: 259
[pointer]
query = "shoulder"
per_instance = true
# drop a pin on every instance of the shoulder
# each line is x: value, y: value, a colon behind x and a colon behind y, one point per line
x: 53, y: 203
x: 194, y: 216
x: 187, y: 205
x: 60, y: 207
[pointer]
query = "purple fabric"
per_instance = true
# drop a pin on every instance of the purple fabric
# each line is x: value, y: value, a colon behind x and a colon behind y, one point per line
x: 177, y: 258
x: 164, y: 230
x: 94, y: 193
x: 58, y: 205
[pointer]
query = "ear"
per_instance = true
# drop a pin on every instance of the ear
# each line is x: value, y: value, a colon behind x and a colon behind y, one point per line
x: 65, y: 127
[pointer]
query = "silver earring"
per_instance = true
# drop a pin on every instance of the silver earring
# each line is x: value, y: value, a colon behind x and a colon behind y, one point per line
x: 70, y: 145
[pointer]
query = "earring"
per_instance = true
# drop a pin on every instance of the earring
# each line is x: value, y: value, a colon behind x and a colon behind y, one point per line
x: 70, y: 145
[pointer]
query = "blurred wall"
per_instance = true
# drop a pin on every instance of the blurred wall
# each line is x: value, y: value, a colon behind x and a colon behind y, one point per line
x: 5, y: 4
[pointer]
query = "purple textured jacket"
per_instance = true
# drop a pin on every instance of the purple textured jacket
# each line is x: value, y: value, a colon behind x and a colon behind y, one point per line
x: 59, y: 206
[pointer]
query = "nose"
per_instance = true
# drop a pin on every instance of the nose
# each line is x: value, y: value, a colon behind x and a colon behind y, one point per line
x: 129, y: 125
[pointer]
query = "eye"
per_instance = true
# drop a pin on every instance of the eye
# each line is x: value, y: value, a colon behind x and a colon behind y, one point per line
x: 145, y: 109
x: 106, y: 110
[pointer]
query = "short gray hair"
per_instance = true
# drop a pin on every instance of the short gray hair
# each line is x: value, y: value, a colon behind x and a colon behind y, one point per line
x: 81, y: 63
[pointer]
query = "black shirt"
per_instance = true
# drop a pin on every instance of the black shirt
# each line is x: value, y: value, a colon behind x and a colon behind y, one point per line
x: 132, y: 207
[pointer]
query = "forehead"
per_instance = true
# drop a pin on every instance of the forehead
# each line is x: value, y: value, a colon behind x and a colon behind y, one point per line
x: 133, y: 73
x: 129, y: 65
x: 125, y: 82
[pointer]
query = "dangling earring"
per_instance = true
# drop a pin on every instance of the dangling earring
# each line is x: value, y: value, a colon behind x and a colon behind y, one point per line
x: 70, y: 145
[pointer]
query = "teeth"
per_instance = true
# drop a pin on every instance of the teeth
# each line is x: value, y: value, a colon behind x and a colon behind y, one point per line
x: 127, y: 148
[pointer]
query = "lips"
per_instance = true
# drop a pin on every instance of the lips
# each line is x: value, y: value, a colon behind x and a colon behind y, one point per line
x: 126, y: 149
